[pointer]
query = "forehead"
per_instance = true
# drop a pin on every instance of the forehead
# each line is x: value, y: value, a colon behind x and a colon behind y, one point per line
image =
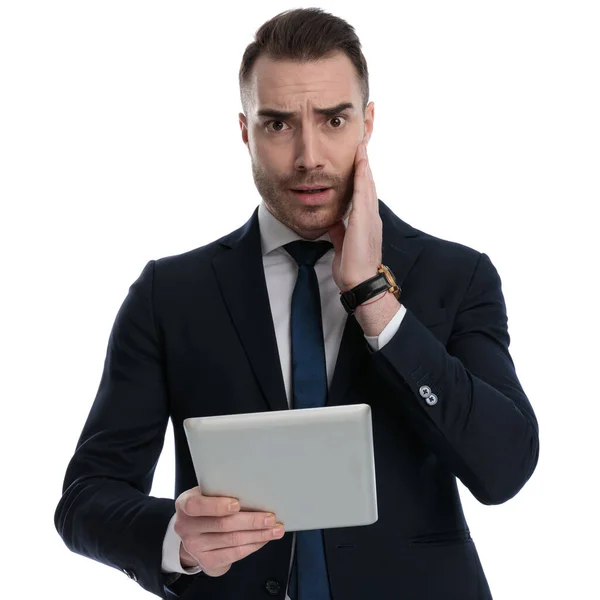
x: 283, y: 82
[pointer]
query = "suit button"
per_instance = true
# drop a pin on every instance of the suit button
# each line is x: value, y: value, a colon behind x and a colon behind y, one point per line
x: 273, y: 587
x: 431, y: 400
x: 130, y: 574
x: 425, y: 391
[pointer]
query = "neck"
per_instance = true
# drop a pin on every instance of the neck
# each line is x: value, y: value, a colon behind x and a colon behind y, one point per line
x: 309, y: 235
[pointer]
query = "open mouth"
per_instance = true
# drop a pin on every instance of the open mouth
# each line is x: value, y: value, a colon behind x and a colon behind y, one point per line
x: 318, y: 191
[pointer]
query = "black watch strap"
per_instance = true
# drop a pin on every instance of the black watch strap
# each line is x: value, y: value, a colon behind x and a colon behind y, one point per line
x: 370, y: 288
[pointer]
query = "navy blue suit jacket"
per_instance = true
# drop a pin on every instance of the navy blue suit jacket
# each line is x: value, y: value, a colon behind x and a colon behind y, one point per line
x: 195, y: 337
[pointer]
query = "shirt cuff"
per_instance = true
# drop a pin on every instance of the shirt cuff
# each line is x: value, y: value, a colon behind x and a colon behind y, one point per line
x: 377, y: 342
x: 171, y: 562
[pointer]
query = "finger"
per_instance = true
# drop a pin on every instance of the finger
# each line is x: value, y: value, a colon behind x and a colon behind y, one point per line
x: 359, y: 158
x: 371, y: 181
x: 216, y: 541
x: 243, y: 521
x: 368, y: 172
x: 361, y: 181
x: 358, y: 154
x: 194, y: 504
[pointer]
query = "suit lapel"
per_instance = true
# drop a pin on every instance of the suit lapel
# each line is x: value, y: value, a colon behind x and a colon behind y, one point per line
x: 240, y: 275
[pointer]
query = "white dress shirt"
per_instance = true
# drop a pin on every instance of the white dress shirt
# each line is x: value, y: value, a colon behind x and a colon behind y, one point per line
x: 280, y: 273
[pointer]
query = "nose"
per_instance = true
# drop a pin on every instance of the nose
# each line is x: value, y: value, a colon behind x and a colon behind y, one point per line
x: 308, y: 152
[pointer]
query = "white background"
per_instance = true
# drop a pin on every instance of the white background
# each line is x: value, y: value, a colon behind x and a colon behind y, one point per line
x: 120, y: 143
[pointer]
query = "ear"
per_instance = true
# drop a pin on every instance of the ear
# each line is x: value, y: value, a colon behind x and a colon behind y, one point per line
x: 369, y: 121
x: 244, y: 127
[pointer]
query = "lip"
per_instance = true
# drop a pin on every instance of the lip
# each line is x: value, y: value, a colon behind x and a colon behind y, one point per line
x: 312, y: 198
x: 311, y: 187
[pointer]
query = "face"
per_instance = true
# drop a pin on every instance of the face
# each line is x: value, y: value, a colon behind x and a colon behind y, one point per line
x: 306, y: 147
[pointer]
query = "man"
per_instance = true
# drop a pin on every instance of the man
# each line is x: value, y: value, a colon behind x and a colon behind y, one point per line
x: 299, y: 303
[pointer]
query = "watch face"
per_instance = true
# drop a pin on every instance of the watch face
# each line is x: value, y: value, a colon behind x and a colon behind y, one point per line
x: 389, y: 276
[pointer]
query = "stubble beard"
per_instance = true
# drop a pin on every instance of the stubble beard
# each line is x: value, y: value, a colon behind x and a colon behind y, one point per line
x: 308, y: 221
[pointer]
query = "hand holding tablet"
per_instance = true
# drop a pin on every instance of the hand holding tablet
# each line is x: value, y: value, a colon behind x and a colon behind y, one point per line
x: 215, y: 533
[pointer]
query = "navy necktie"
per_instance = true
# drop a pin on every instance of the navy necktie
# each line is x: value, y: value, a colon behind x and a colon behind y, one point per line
x: 309, y: 579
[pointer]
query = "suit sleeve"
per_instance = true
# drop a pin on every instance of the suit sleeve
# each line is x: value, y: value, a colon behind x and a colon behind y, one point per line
x: 465, y: 399
x: 105, y: 512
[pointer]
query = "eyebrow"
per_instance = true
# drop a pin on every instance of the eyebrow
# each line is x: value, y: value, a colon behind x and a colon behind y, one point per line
x: 281, y: 114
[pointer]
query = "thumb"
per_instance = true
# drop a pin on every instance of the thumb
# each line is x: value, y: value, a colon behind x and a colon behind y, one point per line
x: 337, y: 233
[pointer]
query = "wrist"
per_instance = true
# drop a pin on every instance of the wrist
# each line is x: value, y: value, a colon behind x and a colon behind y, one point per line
x: 373, y: 287
x: 374, y: 299
x: 374, y: 318
x: 352, y: 283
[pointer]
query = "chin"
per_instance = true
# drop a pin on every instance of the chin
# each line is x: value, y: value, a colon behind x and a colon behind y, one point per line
x: 318, y: 216
x: 313, y: 222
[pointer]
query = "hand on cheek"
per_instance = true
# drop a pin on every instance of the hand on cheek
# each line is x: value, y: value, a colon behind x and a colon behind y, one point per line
x: 358, y: 248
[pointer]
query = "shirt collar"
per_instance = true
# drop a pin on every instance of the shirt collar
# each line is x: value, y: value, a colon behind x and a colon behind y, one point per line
x: 274, y: 234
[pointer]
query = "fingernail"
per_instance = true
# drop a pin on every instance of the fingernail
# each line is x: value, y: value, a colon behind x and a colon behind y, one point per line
x: 234, y: 506
x: 270, y: 521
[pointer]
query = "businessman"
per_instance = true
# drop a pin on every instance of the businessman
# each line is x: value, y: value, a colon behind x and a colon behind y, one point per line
x: 323, y: 297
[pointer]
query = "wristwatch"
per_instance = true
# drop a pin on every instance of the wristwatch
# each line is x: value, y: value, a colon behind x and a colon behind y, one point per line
x: 384, y: 280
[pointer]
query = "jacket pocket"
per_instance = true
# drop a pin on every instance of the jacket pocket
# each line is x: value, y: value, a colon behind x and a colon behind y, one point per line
x: 446, y: 538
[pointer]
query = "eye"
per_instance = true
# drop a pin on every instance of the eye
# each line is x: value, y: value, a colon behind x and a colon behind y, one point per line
x: 336, y: 118
x: 275, y: 130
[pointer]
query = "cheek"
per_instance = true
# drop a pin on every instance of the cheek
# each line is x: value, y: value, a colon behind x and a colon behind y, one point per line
x: 349, y: 172
x: 276, y: 167
x: 267, y: 157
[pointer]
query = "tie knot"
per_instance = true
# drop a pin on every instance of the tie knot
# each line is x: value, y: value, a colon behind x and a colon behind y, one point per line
x: 307, y: 253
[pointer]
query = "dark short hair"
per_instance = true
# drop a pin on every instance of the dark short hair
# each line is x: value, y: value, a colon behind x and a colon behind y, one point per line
x: 304, y: 35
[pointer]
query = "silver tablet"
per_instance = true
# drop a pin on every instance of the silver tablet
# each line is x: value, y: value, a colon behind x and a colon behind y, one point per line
x: 313, y: 467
